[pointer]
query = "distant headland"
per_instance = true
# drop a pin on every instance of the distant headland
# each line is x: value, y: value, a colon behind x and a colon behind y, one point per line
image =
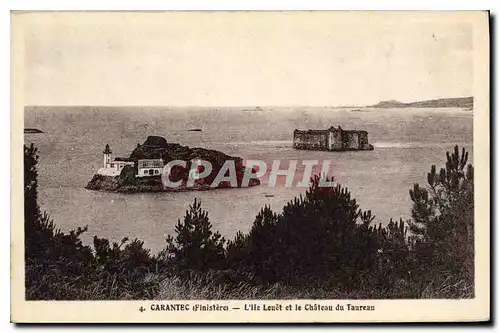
x: 461, y: 102
x: 256, y: 109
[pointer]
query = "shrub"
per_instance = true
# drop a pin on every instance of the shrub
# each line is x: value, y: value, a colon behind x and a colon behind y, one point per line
x: 443, y: 217
x: 320, y: 238
x: 196, y: 246
x: 59, y: 266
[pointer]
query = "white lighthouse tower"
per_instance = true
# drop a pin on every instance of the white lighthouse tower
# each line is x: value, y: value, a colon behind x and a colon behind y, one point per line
x: 113, y: 168
x: 107, y: 157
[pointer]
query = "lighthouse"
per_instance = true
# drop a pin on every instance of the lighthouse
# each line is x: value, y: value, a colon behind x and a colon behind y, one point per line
x: 107, y: 156
x: 113, y: 168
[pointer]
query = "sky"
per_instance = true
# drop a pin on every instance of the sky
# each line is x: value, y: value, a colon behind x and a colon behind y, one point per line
x: 242, y: 59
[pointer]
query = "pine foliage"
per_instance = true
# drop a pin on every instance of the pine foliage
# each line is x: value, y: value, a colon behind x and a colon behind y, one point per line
x: 443, y: 216
x: 196, y: 246
x: 321, y: 243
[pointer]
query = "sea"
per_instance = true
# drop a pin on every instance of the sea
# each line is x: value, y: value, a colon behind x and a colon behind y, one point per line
x: 406, y: 143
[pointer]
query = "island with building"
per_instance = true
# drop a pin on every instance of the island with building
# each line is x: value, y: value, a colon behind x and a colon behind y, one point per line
x: 331, y: 139
x: 142, y: 170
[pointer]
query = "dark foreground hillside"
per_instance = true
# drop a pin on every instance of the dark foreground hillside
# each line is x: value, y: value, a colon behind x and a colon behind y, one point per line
x: 321, y: 245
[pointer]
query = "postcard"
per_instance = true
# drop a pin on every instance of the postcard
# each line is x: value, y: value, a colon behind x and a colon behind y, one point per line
x: 250, y: 167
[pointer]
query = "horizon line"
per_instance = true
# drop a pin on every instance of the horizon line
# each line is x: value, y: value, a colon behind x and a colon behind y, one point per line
x: 234, y: 106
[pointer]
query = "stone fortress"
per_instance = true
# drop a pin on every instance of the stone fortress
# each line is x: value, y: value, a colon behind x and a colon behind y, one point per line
x: 331, y: 139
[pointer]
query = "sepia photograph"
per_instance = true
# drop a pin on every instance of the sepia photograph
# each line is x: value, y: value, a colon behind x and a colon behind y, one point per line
x: 218, y: 166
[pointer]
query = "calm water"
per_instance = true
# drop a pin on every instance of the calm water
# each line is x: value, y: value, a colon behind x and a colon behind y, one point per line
x: 406, y: 143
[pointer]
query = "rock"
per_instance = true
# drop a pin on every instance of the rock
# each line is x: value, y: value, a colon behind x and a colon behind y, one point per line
x: 156, y: 141
x: 32, y: 130
x: 127, y: 176
x: 103, y: 183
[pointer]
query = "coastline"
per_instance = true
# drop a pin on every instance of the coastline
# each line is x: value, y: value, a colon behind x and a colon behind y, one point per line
x: 112, y: 184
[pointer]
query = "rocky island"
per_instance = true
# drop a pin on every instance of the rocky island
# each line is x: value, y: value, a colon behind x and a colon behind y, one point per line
x: 142, y: 170
x: 32, y: 130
